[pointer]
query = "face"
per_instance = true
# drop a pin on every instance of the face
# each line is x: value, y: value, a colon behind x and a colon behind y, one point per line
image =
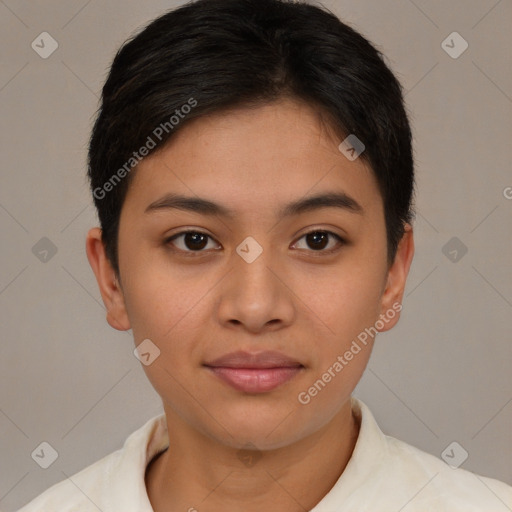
x: 264, y: 267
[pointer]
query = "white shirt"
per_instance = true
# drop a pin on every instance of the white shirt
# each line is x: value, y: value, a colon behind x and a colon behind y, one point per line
x: 382, y: 475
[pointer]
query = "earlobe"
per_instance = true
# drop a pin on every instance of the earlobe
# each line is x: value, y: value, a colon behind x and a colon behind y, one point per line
x: 110, y: 290
x: 397, y: 279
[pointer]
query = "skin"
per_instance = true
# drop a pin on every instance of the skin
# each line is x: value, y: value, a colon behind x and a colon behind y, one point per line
x: 308, y: 304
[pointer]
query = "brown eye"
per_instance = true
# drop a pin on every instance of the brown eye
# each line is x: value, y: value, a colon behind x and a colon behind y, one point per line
x: 318, y: 240
x: 191, y: 241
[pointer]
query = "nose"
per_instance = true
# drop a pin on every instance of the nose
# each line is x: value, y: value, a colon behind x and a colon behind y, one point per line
x: 255, y: 297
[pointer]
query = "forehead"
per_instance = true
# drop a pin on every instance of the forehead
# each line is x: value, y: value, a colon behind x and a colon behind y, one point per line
x: 253, y: 158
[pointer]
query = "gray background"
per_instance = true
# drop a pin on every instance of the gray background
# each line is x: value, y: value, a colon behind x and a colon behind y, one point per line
x: 442, y: 375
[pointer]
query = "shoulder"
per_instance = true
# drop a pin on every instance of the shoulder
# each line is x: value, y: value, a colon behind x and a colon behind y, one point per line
x: 81, y: 492
x: 441, y: 487
x: 395, y: 475
x: 116, y: 479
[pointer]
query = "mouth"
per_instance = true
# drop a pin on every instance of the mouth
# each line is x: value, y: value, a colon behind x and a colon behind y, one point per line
x: 254, y: 373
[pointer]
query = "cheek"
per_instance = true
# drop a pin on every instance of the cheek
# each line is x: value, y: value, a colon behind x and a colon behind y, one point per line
x: 153, y: 292
x: 346, y: 299
x: 348, y: 303
x: 349, y: 309
x: 156, y: 306
x: 165, y: 314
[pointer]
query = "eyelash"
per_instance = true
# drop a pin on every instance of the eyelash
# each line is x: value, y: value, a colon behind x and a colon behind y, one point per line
x: 190, y: 253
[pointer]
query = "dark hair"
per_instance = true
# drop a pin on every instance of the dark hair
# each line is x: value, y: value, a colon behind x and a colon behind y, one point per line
x: 210, y: 55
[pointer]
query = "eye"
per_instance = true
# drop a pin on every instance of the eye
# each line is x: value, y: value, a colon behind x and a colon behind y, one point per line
x: 191, y: 241
x: 197, y: 241
x: 318, y: 240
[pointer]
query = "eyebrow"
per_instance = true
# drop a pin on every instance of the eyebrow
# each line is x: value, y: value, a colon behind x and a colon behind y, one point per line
x: 205, y: 207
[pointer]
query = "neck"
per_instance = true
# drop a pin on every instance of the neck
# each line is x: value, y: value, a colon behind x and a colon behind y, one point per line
x: 196, y: 473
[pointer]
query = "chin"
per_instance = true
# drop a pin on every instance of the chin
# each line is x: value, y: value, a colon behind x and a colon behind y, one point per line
x: 265, y: 430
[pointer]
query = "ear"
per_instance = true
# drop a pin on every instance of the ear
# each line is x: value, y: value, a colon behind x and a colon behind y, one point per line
x: 108, y: 282
x: 396, y: 280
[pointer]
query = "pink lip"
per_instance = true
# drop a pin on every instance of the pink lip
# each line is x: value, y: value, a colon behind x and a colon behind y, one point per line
x: 255, y: 373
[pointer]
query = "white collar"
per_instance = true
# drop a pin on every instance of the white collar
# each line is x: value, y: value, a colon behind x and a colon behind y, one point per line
x: 126, y: 474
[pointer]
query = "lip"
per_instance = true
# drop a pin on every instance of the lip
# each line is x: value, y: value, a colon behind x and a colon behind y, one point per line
x: 255, y: 372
